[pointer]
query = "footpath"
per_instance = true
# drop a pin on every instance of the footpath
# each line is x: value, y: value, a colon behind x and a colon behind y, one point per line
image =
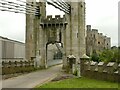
x: 32, y: 79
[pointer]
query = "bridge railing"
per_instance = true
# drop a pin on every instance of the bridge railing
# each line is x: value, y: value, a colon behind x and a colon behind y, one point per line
x: 12, y: 67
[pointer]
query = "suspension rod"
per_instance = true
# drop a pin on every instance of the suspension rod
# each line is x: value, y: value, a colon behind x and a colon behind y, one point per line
x: 16, y: 11
x: 57, y: 7
x: 60, y: 6
x: 17, y: 6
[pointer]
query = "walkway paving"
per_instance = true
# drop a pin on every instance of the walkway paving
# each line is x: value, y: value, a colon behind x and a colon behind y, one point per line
x: 32, y: 79
x: 54, y: 62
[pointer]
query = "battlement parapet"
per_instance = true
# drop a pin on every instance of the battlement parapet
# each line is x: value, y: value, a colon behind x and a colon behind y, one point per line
x: 108, y: 38
x: 110, y: 67
x: 88, y: 27
x: 13, y: 67
x: 57, y: 20
x: 95, y: 30
x: 100, y: 34
x: 102, y: 71
x: 93, y: 66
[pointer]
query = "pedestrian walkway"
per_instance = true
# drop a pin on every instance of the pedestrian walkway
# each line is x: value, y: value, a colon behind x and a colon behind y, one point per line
x: 54, y: 62
x: 32, y: 79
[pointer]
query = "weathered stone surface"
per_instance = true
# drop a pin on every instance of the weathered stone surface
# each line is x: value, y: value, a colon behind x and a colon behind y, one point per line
x: 111, y: 66
x: 73, y: 35
x: 93, y: 66
x: 93, y: 63
x: 96, y: 41
x: 101, y: 66
x: 119, y: 69
x: 100, y: 63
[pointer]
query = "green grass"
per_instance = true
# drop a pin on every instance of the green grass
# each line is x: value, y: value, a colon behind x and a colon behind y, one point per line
x: 80, y: 83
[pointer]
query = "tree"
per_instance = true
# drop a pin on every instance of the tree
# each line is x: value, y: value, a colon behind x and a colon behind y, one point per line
x: 110, y: 55
x: 106, y: 56
x: 95, y: 56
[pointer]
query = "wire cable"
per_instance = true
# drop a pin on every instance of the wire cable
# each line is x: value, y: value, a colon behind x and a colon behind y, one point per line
x: 60, y: 6
x: 56, y: 6
x: 14, y: 11
x: 22, y: 5
x: 6, y: 4
x: 19, y: 8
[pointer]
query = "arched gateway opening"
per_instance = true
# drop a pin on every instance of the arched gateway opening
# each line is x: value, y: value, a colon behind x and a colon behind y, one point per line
x: 54, y: 54
x: 54, y: 28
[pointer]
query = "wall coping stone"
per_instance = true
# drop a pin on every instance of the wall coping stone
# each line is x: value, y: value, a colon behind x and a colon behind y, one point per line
x: 71, y: 56
x: 100, y: 63
x: 86, y: 63
x: 119, y: 65
x: 85, y: 56
x: 93, y: 63
x: 104, y: 71
x: 116, y: 72
x: 110, y: 64
x: 96, y: 69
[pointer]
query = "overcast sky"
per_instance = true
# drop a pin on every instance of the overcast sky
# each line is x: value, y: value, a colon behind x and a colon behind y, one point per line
x: 101, y: 14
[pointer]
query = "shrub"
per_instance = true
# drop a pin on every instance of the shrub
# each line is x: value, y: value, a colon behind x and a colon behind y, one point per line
x: 107, y: 55
x: 95, y: 57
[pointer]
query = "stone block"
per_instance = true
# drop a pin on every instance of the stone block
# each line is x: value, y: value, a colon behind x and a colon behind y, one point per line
x: 49, y: 17
x: 18, y: 64
x: 87, y: 65
x: 71, y: 59
x: 13, y: 64
x: 93, y: 66
x: 101, y: 66
x: 6, y: 64
x: 57, y: 17
x: 111, y: 67
x: 119, y: 69
x: 53, y: 21
x: 116, y: 72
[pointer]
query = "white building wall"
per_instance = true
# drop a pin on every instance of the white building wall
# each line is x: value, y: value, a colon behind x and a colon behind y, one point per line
x: 19, y: 50
x: 0, y: 48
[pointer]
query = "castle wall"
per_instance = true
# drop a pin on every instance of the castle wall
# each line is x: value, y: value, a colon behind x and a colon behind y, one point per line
x: 96, y: 41
x: 109, y: 71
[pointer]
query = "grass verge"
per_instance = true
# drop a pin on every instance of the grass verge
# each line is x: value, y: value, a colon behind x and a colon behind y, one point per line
x: 80, y: 83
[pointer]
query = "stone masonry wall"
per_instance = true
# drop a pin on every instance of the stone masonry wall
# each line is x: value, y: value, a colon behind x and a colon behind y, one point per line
x: 96, y: 41
x: 101, y: 71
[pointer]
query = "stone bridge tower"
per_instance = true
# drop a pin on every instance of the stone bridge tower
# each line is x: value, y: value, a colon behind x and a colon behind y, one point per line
x: 34, y: 33
x: 73, y: 34
x: 75, y: 31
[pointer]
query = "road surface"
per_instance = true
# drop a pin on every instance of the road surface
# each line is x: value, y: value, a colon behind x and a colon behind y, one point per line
x: 32, y: 79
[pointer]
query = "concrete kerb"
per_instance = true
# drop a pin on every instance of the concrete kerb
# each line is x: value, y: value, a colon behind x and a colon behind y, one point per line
x: 47, y: 80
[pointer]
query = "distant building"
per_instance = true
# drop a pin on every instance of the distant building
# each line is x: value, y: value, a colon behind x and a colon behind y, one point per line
x: 96, y: 41
x: 10, y: 49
